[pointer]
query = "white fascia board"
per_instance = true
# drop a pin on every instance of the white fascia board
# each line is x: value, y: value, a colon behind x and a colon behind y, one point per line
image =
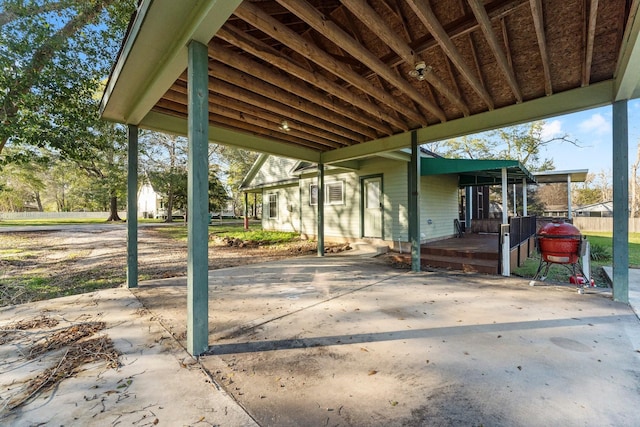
x: 570, y: 101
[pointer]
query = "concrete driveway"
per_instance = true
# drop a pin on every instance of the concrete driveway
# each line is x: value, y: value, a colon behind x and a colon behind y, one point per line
x: 345, y: 340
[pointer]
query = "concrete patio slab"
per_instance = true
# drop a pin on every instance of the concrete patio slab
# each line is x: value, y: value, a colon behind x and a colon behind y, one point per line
x: 349, y: 341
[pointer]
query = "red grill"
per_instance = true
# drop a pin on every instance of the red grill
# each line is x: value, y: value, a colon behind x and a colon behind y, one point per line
x: 560, y: 243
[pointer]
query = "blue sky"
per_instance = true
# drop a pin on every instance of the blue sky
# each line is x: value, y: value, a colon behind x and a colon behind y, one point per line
x: 592, y: 129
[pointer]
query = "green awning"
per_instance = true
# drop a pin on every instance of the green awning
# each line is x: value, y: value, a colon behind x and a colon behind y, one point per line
x: 473, y: 172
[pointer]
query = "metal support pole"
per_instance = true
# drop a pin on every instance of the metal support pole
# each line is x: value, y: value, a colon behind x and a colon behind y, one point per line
x: 569, y: 202
x: 132, y: 207
x: 468, y: 217
x: 524, y: 197
x: 620, y: 202
x: 515, y: 208
x: 246, y: 211
x: 320, y: 209
x: 197, y: 202
x: 414, y: 202
x: 505, y: 198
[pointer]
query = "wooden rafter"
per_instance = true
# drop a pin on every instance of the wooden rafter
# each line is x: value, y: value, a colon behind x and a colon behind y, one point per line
x: 591, y: 34
x: 247, y: 110
x: 246, y: 65
x: 485, y: 25
x: 262, y: 51
x: 254, y: 16
x: 372, y: 20
x: 423, y: 10
x: 538, y: 23
x: 340, y: 125
x: 334, y: 33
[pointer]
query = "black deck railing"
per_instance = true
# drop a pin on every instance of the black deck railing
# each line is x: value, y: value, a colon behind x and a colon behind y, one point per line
x: 520, y: 229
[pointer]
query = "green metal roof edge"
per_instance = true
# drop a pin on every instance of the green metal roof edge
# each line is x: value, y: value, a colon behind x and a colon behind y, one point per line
x: 441, y: 166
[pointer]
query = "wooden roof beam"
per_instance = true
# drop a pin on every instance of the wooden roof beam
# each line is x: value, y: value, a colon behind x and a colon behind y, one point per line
x: 235, y: 92
x: 424, y: 12
x: 166, y: 106
x: 261, y: 50
x: 266, y: 74
x: 372, y: 20
x: 481, y: 15
x: 591, y: 33
x: 265, y: 23
x: 538, y: 23
x: 333, y: 32
x: 337, y: 123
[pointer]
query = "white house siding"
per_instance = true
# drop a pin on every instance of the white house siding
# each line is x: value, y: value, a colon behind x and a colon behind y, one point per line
x: 344, y: 220
x: 438, y: 205
x: 273, y: 170
x: 288, y: 209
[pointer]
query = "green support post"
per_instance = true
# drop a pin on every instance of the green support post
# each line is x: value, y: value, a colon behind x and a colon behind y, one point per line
x: 198, y: 203
x: 620, y: 202
x: 132, y: 207
x: 414, y: 202
x: 320, y: 209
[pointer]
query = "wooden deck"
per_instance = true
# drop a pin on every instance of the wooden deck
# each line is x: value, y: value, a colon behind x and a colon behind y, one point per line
x: 473, y: 253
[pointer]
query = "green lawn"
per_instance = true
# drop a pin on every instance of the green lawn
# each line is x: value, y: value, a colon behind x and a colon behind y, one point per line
x: 254, y: 234
x: 601, y: 243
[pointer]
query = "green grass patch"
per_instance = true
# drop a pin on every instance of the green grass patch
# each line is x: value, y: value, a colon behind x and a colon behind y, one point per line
x: 265, y: 237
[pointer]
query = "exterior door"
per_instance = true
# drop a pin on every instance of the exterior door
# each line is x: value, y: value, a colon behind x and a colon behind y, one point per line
x: 372, y: 207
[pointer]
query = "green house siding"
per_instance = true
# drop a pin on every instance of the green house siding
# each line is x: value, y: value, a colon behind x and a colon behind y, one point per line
x: 274, y: 170
x: 344, y: 220
x: 287, y: 209
x: 438, y: 205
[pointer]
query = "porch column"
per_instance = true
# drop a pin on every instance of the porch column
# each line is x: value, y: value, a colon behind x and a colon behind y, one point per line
x: 320, y: 209
x: 515, y: 207
x: 246, y: 211
x: 505, y: 199
x: 414, y: 202
x: 620, y: 202
x: 197, y: 200
x: 524, y: 197
x: 468, y: 196
x: 132, y: 206
x: 569, y: 213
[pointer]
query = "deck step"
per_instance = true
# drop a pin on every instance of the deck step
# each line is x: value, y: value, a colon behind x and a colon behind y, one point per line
x: 478, y: 265
x: 466, y: 264
x: 459, y: 253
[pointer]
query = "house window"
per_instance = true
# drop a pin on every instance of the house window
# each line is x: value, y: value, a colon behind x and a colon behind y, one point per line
x: 273, y: 205
x: 333, y: 193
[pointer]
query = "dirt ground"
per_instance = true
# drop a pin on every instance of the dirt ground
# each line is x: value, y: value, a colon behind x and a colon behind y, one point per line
x: 49, y: 264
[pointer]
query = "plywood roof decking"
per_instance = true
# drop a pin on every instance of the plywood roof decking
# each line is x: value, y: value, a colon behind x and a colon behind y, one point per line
x: 332, y: 75
x: 339, y: 72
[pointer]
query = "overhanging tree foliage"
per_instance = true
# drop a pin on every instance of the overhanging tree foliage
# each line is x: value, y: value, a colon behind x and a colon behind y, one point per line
x: 53, y: 55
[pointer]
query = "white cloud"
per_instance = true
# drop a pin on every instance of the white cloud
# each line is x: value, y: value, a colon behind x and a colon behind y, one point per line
x: 551, y: 130
x: 595, y: 124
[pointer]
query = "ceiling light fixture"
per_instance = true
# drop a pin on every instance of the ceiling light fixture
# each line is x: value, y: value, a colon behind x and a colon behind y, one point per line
x: 284, y: 126
x: 420, y: 70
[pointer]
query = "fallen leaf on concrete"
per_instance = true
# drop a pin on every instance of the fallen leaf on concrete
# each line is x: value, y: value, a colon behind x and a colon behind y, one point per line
x: 373, y: 372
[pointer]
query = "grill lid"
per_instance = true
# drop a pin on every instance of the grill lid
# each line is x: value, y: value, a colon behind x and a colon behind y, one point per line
x: 559, y: 229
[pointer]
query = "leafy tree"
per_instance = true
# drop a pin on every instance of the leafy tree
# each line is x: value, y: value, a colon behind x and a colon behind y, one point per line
x: 53, y: 54
x: 236, y: 163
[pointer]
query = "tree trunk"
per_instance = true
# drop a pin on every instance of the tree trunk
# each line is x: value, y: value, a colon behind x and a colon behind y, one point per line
x: 39, y: 201
x: 113, y: 209
x: 169, y: 205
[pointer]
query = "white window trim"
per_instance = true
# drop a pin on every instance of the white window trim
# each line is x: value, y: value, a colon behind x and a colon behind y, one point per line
x: 269, y: 205
x: 327, y: 202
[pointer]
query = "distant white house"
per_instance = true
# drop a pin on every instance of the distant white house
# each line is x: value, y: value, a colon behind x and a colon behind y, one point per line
x: 602, y: 209
x: 149, y: 202
x: 369, y: 198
